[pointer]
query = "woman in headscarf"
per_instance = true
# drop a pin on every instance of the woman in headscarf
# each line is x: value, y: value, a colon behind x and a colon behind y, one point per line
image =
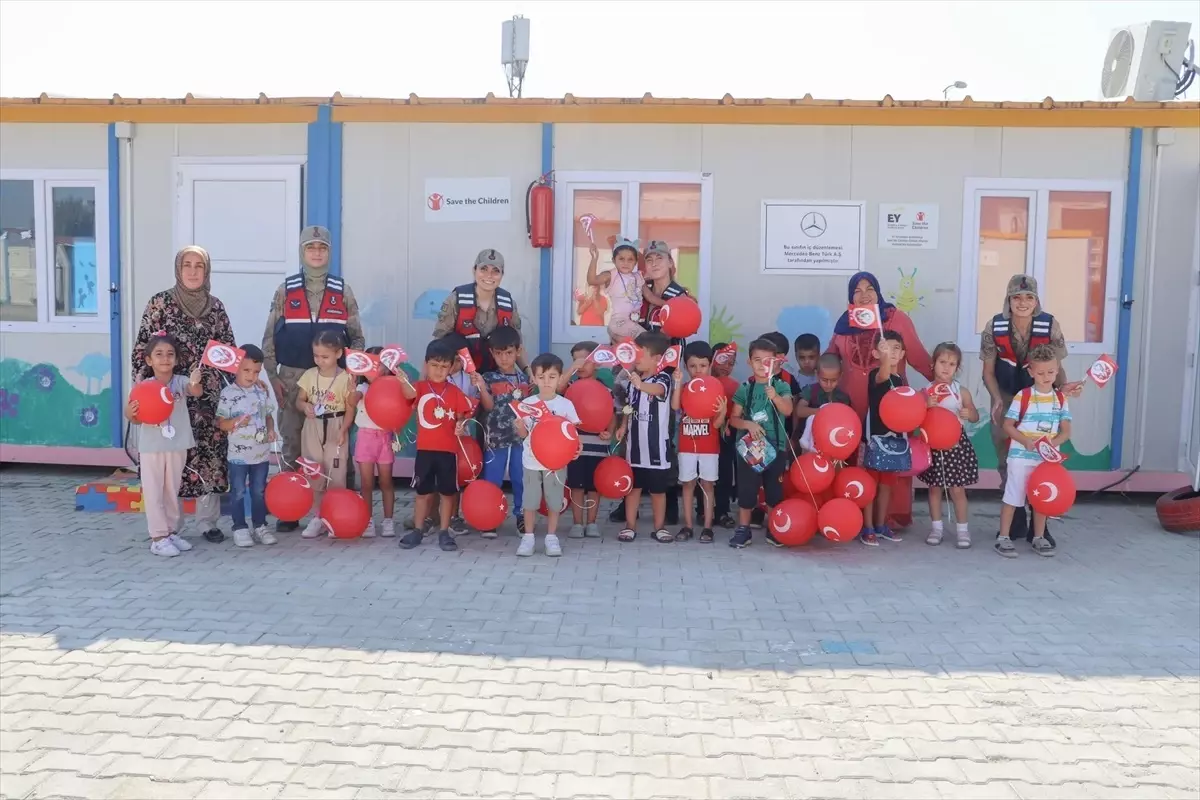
x: 857, y: 350
x: 475, y: 309
x: 189, y: 313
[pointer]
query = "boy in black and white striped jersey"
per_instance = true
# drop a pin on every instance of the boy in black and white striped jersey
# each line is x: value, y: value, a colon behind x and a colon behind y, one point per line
x: 645, y: 427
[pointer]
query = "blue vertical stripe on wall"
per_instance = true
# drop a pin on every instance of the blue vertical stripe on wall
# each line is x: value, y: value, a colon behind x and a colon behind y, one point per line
x: 114, y: 276
x: 1125, y: 318
x: 547, y: 254
x: 323, y: 181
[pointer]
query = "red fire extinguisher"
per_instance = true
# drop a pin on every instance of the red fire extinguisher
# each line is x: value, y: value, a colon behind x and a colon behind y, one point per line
x: 539, y: 212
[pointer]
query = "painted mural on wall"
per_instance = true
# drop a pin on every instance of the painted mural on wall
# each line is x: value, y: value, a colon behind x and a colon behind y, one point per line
x: 43, y: 404
x: 906, y: 298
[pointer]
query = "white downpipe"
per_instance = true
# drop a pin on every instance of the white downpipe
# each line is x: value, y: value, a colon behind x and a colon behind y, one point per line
x: 130, y: 323
x: 1148, y: 325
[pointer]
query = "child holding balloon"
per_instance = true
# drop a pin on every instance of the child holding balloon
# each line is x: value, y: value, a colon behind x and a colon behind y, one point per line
x: 581, y: 473
x: 374, y: 454
x: 244, y: 412
x: 886, y: 451
x: 326, y: 398
x: 699, y: 444
x: 162, y: 448
x: 957, y: 468
x: 503, y: 449
x: 645, y: 427
x: 1038, y: 412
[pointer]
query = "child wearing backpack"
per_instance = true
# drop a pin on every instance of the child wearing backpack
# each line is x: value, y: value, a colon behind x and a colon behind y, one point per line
x: 1037, y: 412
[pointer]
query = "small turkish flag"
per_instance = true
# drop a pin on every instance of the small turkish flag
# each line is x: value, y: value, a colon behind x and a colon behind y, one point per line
x: 222, y: 356
x: 726, y: 355
x: 864, y: 317
x: 1046, y: 449
x: 468, y: 363
x: 628, y: 354
x: 362, y: 364
x: 1102, y: 371
x: 532, y: 408
x: 939, y: 391
x: 393, y: 356
x: 670, y: 358
x: 603, y: 356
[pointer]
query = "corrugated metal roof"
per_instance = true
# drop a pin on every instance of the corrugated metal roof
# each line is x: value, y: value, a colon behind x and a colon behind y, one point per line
x: 887, y: 101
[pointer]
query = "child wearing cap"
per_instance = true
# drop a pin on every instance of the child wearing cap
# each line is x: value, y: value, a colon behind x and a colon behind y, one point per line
x: 623, y: 284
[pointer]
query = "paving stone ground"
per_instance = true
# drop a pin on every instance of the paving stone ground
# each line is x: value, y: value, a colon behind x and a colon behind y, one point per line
x: 355, y: 670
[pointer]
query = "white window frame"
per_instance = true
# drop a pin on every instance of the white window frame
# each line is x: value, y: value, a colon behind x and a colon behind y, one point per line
x: 44, y: 181
x: 1038, y: 190
x: 629, y: 182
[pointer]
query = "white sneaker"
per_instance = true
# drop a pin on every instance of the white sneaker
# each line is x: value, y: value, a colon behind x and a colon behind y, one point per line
x: 313, y: 529
x: 371, y: 530
x: 242, y: 538
x: 553, y: 548
x: 163, y: 547
x: 388, y: 530
x: 181, y: 544
x: 526, y: 546
x: 264, y: 536
x: 576, y: 532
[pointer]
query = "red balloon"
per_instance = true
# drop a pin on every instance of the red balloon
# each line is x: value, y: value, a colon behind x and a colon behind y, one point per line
x: 824, y: 497
x: 840, y: 520
x: 613, y: 477
x: 903, y: 409
x: 345, y: 513
x: 837, y: 430
x: 730, y: 385
x: 470, y: 459
x: 811, y: 473
x: 794, y: 522
x: 155, y: 401
x: 855, y: 484
x: 566, y: 500
x: 700, y: 397
x: 386, y: 404
x: 484, y: 506
x: 680, y: 317
x: 593, y: 403
x: 555, y: 442
x: 289, y: 496
x: 1051, y: 489
x: 942, y: 428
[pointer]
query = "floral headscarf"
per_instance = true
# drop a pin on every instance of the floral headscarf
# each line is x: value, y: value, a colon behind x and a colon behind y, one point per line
x: 196, y: 302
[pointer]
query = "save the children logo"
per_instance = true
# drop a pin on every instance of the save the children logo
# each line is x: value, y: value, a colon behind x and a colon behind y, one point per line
x: 435, y: 202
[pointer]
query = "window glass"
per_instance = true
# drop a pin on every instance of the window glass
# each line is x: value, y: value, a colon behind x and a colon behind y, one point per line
x: 670, y: 212
x: 76, y: 292
x: 596, y: 217
x: 1003, y: 251
x: 18, y: 249
x: 1077, y: 263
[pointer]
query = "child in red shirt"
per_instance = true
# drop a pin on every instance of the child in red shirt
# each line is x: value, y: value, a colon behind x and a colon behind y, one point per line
x: 441, y: 409
x: 699, y: 445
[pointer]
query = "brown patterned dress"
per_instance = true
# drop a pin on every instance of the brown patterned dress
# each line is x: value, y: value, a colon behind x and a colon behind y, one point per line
x: 207, y: 469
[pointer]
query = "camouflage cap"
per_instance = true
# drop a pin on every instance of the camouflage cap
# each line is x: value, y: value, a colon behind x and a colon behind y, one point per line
x: 657, y: 246
x: 315, y: 234
x: 490, y: 258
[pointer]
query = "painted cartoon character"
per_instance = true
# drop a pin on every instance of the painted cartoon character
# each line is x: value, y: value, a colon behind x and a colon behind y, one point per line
x: 907, y: 299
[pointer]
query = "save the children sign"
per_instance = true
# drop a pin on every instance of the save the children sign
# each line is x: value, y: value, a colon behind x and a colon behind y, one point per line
x: 468, y: 199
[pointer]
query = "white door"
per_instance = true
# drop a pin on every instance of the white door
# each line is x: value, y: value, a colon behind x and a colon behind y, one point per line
x: 248, y: 218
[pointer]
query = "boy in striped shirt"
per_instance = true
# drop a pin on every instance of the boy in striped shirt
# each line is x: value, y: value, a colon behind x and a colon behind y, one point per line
x: 645, y: 427
x: 1040, y: 411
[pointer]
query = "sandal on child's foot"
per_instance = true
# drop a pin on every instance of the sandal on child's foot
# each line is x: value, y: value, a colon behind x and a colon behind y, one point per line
x: 706, y: 536
x: 684, y: 535
x: 963, y: 540
x: 1005, y: 547
x: 727, y: 521
x: 1041, y: 546
x: 935, y: 537
x: 663, y: 536
x: 627, y: 535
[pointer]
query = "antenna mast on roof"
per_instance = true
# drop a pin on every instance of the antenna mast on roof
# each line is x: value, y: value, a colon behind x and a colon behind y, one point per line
x: 514, y: 52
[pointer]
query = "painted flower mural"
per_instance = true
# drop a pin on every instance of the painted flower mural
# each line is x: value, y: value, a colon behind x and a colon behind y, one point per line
x: 9, y: 403
x: 89, y: 417
x: 43, y: 377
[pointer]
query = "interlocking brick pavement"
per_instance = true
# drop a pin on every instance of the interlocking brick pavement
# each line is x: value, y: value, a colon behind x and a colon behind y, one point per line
x: 356, y: 670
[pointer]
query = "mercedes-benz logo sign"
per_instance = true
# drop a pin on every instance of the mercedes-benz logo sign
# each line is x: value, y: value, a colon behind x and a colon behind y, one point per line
x: 813, y: 224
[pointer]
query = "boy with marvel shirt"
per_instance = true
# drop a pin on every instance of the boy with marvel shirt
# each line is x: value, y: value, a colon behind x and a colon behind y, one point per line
x: 699, y: 445
x: 441, y: 409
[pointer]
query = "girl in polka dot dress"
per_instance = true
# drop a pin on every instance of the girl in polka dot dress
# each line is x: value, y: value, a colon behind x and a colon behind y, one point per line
x: 957, y: 468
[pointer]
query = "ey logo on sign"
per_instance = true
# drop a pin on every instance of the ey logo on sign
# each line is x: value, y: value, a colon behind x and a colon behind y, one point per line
x: 895, y: 218
x: 435, y: 202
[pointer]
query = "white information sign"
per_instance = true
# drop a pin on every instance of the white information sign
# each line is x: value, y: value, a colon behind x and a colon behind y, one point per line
x: 812, y: 237
x: 908, y: 226
x: 468, y: 200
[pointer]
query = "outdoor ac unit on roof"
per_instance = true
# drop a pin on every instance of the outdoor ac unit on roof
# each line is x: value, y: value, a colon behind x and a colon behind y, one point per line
x: 1144, y: 61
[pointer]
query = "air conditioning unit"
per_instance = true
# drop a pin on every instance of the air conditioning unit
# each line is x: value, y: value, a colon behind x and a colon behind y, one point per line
x: 1144, y: 61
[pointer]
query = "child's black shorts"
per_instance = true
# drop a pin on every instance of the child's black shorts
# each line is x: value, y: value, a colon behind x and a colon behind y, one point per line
x: 653, y: 481
x: 436, y: 471
x: 581, y: 473
x: 770, y: 479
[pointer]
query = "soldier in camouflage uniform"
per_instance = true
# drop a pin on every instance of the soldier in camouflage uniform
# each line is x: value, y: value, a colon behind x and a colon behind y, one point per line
x: 305, y: 304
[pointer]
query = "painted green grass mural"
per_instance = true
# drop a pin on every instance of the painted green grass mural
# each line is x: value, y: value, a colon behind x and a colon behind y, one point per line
x: 38, y: 406
x: 723, y: 328
x: 981, y: 440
